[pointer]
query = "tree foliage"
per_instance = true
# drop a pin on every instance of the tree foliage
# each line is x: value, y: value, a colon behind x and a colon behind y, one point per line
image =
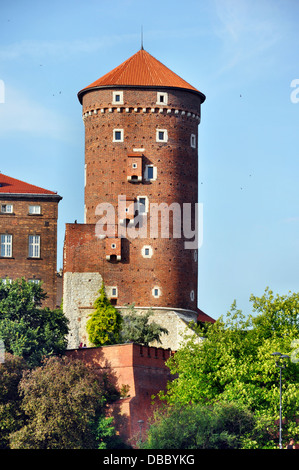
x: 64, y: 401
x: 28, y: 330
x: 104, y: 324
x: 11, y: 414
x: 234, y: 363
x: 137, y: 328
x: 224, y: 426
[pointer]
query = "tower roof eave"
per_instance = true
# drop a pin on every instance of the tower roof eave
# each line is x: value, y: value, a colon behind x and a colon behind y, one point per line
x: 141, y: 70
x: 89, y: 89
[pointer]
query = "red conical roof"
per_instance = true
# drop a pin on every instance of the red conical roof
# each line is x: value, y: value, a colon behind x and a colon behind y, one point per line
x: 140, y: 70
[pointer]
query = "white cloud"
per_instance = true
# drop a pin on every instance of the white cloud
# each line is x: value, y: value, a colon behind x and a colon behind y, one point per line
x: 59, y: 48
x: 248, y: 32
x: 20, y: 114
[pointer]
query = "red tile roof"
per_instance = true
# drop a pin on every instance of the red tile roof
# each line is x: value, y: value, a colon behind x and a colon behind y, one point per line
x: 142, y: 69
x: 10, y: 185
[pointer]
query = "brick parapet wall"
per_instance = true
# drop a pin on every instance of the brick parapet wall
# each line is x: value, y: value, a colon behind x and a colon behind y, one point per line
x: 142, y: 368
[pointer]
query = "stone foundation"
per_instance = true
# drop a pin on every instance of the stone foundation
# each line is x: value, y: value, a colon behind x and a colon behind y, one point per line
x: 80, y: 290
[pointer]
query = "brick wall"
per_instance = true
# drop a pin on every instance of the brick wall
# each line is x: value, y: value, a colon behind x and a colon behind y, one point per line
x: 142, y: 368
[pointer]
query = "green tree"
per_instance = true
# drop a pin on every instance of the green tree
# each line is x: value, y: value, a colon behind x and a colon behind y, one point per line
x: 28, y: 330
x: 137, y: 328
x: 105, y: 323
x: 11, y: 414
x: 234, y: 362
x: 224, y: 426
x: 65, y: 403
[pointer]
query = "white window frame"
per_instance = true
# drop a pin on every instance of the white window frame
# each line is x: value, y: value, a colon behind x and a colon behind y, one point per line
x: 7, y: 208
x: 34, y: 281
x: 163, y: 95
x: 193, y: 141
x: 121, y: 97
x: 6, y: 280
x: 34, y: 209
x: 146, y: 177
x: 144, y: 205
x: 34, y: 246
x: 6, y: 245
x: 165, y: 135
x: 147, y: 248
x: 121, y: 135
x: 156, y: 292
x: 114, y: 292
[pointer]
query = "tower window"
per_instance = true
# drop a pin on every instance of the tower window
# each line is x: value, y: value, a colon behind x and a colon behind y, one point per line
x: 117, y: 97
x: 156, y: 292
x: 142, y: 205
x: 193, y: 141
x: 118, y: 135
x: 147, y: 251
x: 161, y: 135
x: 162, y: 98
x: 150, y: 172
x: 114, y: 292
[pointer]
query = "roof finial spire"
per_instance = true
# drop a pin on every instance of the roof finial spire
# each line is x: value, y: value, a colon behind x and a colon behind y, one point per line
x: 141, y: 37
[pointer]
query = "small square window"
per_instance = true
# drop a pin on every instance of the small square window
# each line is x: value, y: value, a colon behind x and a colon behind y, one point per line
x: 161, y: 135
x: 117, y: 97
x: 118, y: 135
x: 156, y: 292
x: 114, y: 292
x: 147, y: 251
x: 162, y: 98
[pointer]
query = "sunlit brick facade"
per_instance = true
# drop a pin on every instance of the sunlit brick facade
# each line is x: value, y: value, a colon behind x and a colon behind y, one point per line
x: 28, y: 235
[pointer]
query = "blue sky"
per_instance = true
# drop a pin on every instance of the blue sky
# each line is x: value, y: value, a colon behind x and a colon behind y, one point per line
x: 242, y: 54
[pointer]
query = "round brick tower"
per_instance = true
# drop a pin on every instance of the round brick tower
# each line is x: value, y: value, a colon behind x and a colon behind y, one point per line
x: 141, y: 160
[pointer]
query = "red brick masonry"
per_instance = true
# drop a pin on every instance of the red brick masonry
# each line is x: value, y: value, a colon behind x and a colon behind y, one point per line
x: 142, y: 368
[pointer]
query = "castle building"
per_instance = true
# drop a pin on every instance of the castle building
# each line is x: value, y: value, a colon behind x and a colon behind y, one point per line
x: 140, y: 231
x: 28, y: 235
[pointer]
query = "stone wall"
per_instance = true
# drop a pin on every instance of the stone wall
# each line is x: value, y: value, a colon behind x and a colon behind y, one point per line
x: 82, y: 289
